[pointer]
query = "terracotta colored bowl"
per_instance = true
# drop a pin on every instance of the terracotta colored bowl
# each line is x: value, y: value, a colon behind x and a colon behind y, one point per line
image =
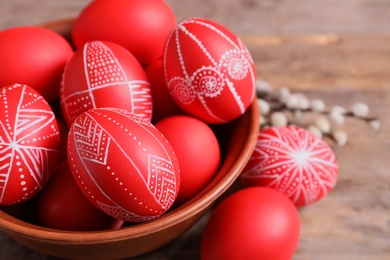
x: 237, y: 140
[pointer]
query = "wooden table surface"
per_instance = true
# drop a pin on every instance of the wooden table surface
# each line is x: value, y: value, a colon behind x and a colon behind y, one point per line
x: 338, y: 51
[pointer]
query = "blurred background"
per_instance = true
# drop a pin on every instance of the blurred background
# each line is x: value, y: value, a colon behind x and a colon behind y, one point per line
x: 241, y: 16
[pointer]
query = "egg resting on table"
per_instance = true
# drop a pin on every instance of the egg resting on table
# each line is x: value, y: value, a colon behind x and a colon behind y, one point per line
x: 294, y: 161
x: 252, y: 223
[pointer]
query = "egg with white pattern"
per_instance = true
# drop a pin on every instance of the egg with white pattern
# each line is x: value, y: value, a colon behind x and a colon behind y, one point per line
x: 29, y: 143
x: 104, y: 74
x: 209, y: 71
x: 293, y: 161
x: 123, y: 164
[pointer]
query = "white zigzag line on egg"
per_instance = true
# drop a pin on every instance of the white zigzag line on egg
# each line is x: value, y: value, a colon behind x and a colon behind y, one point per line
x: 126, y: 156
x: 86, y: 168
x: 88, y: 136
x: 160, y: 197
x: 169, y: 159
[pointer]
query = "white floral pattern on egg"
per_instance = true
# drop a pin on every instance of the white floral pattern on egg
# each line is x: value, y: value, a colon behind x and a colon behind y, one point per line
x: 208, y: 70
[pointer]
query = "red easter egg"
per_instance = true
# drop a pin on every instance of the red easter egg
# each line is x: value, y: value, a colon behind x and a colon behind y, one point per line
x: 197, y: 151
x: 29, y: 143
x: 252, y: 223
x: 163, y: 104
x: 62, y: 205
x: 293, y: 161
x: 123, y: 164
x: 104, y: 74
x: 209, y: 71
x: 34, y: 56
x: 142, y: 27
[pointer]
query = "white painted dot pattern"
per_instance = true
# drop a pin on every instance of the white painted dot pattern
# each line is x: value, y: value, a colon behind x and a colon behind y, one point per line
x: 224, y: 71
x: 99, y: 149
x: 104, y: 75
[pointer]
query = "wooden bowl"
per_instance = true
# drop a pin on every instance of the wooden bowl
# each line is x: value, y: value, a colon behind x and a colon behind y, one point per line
x: 237, y: 140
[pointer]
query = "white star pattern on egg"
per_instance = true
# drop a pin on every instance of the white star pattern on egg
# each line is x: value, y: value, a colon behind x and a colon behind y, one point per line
x: 29, y: 140
x: 293, y: 161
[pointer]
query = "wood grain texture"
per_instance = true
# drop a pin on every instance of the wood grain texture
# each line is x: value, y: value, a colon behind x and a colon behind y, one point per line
x: 323, y: 61
x: 334, y: 50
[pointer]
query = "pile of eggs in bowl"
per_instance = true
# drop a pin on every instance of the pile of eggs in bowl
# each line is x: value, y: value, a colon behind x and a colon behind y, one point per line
x: 118, y: 125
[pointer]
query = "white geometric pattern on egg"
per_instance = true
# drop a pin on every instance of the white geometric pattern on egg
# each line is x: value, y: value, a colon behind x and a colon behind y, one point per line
x: 103, y: 71
x: 29, y: 140
x: 295, y: 162
x: 220, y: 74
x: 100, y: 151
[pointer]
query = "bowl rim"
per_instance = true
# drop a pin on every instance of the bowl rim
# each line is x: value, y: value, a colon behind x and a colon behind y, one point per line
x: 200, y: 202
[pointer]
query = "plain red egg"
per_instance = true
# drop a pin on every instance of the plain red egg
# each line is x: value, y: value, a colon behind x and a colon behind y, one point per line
x: 62, y: 205
x: 293, y: 161
x: 197, y: 151
x: 209, y: 71
x: 163, y: 104
x: 123, y: 164
x: 29, y: 143
x: 251, y: 224
x: 33, y: 56
x: 140, y: 26
x: 104, y: 74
